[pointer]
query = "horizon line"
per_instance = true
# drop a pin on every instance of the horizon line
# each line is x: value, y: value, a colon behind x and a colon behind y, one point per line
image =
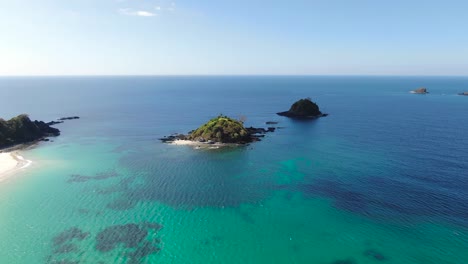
x: 229, y: 75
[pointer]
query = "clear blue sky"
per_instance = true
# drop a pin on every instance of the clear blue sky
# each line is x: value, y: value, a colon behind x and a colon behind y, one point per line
x: 183, y: 37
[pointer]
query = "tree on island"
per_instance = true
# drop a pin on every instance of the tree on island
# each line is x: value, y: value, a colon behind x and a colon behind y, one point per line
x: 221, y: 129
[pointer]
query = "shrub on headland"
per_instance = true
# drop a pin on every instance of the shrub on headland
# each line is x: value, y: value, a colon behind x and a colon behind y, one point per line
x: 21, y: 129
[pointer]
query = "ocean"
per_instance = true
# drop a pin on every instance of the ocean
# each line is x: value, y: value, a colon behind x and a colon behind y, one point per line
x: 382, y: 179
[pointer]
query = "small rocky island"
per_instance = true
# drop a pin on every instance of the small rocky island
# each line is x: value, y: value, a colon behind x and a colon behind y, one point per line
x: 21, y: 129
x: 303, y: 109
x: 221, y: 130
x: 421, y: 90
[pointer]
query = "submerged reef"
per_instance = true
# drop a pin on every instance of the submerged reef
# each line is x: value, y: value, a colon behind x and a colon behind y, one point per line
x: 65, y: 243
x: 344, y: 261
x: 69, y: 235
x: 374, y: 254
x: 132, y: 237
x: 135, y: 241
x: 98, y: 176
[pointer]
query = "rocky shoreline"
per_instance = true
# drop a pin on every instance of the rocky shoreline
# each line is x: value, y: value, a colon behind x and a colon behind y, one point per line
x: 254, y: 133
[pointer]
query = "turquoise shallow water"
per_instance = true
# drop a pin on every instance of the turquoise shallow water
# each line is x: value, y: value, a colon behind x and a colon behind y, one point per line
x: 380, y: 180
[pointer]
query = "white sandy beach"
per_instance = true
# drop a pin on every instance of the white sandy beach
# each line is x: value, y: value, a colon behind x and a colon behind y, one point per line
x: 186, y: 142
x: 203, y: 145
x: 196, y: 144
x: 11, y: 162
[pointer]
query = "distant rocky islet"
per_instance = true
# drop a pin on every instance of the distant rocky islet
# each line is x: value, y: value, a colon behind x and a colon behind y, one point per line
x: 421, y: 90
x: 303, y: 109
x: 424, y: 90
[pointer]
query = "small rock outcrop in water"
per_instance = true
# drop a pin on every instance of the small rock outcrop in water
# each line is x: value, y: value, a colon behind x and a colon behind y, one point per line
x: 305, y: 109
x: 69, y: 118
x: 421, y: 90
x: 51, y: 123
x: 173, y: 138
x: 271, y: 122
x: 21, y: 129
x: 61, y: 120
x: 222, y: 129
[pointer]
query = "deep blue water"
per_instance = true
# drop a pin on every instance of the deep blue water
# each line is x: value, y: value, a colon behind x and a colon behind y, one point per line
x: 383, y: 154
x: 420, y: 140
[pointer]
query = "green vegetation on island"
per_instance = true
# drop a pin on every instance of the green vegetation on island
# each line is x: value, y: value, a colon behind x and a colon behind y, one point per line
x: 21, y: 129
x: 224, y: 130
x: 221, y: 129
x: 304, y: 108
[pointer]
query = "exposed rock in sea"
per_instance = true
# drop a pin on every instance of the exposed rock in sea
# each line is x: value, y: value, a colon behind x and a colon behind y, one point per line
x: 171, y: 138
x: 421, y: 90
x: 21, y: 129
x: 62, y: 120
x: 51, y: 123
x: 69, y: 118
x: 221, y: 129
x: 303, y: 109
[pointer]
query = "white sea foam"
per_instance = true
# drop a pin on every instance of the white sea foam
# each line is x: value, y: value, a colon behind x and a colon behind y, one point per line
x: 25, y: 163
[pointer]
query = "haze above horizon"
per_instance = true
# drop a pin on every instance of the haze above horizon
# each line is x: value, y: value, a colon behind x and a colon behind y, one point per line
x: 176, y: 37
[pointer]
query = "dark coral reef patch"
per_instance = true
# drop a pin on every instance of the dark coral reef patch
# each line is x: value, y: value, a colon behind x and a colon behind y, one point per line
x: 374, y: 254
x: 98, y: 176
x: 133, y: 237
x: 130, y: 235
x: 69, y: 235
x: 136, y: 241
x: 344, y: 261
